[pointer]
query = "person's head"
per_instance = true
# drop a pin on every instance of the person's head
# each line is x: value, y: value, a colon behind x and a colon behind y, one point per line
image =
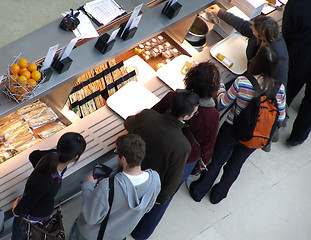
x: 203, y: 79
x: 265, y: 28
x: 130, y: 148
x: 264, y: 63
x: 69, y: 148
x: 185, y: 104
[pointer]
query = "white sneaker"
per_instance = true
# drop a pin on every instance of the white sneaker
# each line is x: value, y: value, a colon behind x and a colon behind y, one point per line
x: 188, y: 181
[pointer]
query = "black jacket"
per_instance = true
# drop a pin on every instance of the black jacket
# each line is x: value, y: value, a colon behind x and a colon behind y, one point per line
x: 296, y: 30
x: 40, y: 191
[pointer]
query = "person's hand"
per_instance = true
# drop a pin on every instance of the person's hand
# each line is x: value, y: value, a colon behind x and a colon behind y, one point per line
x: 15, y: 204
x: 202, y: 167
x: 90, y: 178
x: 214, y: 9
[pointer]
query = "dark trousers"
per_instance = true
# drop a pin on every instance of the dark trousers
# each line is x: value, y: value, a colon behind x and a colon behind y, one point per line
x: 302, y: 123
x: 19, y: 229
x: 227, y: 151
x: 150, y: 220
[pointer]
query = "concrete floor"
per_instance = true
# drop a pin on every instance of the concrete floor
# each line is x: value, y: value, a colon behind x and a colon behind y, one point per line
x: 269, y: 201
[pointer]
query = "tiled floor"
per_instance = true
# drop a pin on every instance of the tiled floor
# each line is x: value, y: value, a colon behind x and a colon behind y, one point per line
x: 269, y: 201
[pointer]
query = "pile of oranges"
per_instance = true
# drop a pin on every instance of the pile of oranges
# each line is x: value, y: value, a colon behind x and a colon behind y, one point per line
x: 23, y: 78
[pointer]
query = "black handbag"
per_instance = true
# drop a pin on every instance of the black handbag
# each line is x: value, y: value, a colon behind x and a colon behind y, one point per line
x: 52, y: 229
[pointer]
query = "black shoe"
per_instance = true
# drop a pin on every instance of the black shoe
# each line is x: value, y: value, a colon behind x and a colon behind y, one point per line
x: 214, y: 199
x: 267, y: 148
x: 293, y: 143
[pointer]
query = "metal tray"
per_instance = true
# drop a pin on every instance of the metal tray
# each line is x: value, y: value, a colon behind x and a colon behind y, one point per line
x: 232, y: 47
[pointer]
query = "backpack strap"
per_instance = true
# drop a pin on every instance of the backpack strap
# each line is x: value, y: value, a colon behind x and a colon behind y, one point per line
x: 255, y: 83
x: 110, y: 199
x: 257, y: 87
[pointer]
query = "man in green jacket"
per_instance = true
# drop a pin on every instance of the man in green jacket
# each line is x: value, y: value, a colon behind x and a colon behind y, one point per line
x: 167, y: 150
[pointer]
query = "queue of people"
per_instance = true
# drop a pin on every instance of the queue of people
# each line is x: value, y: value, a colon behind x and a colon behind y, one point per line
x: 164, y: 143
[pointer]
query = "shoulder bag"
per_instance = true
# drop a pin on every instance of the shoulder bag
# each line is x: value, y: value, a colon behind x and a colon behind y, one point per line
x: 110, y: 200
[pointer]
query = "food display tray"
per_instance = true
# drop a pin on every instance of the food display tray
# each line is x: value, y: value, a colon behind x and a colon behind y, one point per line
x: 130, y: 99
x: 143, y: 71
x: 232, y: 47
x: 170, y: 73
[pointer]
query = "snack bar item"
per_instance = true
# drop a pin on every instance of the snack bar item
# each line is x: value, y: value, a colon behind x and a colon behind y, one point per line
x: 31, y: 107
x: 22, y: 140
x: 28, y: 145
x: 17, y: 133
x: 51, y: 131
x: 42, y: 120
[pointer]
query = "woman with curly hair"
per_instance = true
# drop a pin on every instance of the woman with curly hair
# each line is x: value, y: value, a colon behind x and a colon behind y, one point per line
x: 201, y: 130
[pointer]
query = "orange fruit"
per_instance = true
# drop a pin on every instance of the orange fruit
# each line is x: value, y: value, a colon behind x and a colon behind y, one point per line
x: 21, y: 90
x: 32, y: 67
x: 22, y: 70
x: 22, y: 80
x: 12, y: 89
x: 13, y: 79
x: 36, y: 75
x: 22, y: 62
x: 14, y: 69
x: 26, y: 73
x: 31, y: 84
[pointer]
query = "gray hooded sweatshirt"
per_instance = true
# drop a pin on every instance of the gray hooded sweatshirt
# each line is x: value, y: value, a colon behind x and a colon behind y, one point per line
x: 130, y: 203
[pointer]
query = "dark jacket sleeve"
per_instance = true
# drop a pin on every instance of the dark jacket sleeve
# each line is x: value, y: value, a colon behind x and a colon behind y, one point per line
x: 165, y: 103
x: 237, y: 23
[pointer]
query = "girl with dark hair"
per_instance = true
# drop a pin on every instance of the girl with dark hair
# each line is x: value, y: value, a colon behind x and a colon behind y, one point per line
x: 37, y: 203
x: 228, y: 151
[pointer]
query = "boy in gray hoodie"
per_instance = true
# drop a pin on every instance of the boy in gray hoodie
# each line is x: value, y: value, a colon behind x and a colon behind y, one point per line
x: 135, y: 192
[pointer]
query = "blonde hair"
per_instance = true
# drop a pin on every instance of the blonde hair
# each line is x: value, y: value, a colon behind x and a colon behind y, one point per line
x: 267, y: 28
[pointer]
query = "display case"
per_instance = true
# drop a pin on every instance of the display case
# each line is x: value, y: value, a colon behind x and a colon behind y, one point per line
x: 103, y: 126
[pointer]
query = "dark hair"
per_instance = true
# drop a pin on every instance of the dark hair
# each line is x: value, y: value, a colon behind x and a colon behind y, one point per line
x: 264, y: 63
x: 267, y: 28
x: 70, y: 146
x: 184, y: 103
x: 132, y: 147
x: 203, y: 79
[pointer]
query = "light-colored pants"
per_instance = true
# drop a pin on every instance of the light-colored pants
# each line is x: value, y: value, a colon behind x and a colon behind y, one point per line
x: 75, y: 233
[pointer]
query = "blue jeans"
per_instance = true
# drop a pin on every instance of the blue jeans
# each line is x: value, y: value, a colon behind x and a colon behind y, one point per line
x: 150, y: 220
x: 19, y: 229
x: 75, y: 233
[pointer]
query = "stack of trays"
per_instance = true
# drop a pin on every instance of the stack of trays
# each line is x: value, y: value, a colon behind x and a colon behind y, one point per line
x: 251, y: 8
x: 224, y: 29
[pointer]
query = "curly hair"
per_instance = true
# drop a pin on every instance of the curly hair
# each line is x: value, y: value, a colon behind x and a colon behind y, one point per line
x: 203, y: 79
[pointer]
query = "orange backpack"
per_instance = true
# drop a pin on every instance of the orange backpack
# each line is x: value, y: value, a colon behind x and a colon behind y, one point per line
x: 257, y: 122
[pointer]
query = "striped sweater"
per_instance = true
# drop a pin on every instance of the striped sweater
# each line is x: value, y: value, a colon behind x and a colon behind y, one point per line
x: 242, y: 91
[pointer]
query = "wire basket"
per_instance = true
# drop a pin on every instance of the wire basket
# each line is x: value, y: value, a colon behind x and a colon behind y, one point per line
x: 17, y: 91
